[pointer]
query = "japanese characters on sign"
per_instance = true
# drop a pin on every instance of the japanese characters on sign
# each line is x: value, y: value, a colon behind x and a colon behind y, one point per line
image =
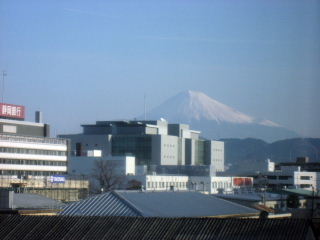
x: 12, y: 111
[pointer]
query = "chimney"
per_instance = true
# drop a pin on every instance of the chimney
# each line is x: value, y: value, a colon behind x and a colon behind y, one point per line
x: 39, y: 117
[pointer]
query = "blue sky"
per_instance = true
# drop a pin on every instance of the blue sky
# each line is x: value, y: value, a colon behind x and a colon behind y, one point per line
x: 82, y: 61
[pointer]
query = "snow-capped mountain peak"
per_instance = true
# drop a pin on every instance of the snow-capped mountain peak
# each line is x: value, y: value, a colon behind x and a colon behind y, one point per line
x: 215, y: 119
x: 203, y: 107
x: 193, y: 105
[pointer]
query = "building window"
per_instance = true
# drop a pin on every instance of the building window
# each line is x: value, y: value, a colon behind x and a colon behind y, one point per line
x: 272, y: 177
x: 284, y: 177
x: 305, y: 177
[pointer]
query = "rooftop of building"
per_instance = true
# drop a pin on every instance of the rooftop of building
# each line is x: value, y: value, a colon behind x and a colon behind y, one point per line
x: 254, y: 196
x: 157, y: 204
x: 128, y: 123
x: 21, y: 122
x: 32, y: 201
x: 61, y: 227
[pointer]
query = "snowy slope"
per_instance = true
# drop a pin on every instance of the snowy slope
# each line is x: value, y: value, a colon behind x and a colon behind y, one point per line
x: 192, y: 105
x: 215, y: 119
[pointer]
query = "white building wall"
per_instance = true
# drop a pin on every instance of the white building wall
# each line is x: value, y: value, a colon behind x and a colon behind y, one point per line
x: 169, y: 150
x: 89, y: 142
x: 21, y: 167
x: 193, y: 153
x: 183, y: 151
x: 166, y: 183
x: 40, y: 146
x: 130, y: 163
x: 306, y: 180
x: 292, y: 176
x: 123, y: 165
x: 33, y: 157
x: 16, y: 143
x: 202, y: 184
x: 219, y: 183
x: 211, y: 185
x: 217, y: 155
x: 185, y: 133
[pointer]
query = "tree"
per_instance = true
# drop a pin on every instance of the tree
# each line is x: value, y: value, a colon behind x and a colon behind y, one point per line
x: 134, y: 185
x: 107, y: 174
x: 293, y: 201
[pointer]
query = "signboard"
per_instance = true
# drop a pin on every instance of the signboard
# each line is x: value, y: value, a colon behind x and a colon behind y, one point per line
x: 57, y: 179
x: 242, y: 181
x: 12, y: 111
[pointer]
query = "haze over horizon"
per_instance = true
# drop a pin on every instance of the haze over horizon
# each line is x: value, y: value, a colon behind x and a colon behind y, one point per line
x: 79, y: 61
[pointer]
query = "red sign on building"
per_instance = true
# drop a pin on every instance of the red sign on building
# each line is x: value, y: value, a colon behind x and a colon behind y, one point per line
x: 12, y: 111
x: 242, y: 181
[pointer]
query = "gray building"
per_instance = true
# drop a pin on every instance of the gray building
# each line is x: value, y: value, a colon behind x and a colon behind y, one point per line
x: 26, y: 148
x: 153, y: 143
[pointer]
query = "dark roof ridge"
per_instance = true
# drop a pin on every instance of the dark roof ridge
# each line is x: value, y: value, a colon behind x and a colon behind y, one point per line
x: 232, y: 203
x: 128, y: 203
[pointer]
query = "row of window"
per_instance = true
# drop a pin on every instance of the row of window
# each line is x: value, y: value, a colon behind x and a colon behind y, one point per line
x: 279, y: 177
x: 166, y: 184
x: 168, y: 145
x: 33, y: 162
x: 32, y: 151
x: 217, y: 150
x: 33, y: 140
x: 26, y: 173
x: 218, y: 160
x: 185, y: 184
x: 222, y: 185
x: 305, y: 177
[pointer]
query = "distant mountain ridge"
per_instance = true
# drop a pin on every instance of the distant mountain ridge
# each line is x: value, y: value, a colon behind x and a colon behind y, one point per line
x: 215, y: 119
x: 243, y: 155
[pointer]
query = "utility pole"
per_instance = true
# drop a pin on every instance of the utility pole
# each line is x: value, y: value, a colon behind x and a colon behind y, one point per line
x: 4, y: 74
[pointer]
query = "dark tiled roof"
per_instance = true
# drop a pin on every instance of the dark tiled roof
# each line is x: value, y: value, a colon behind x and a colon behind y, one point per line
x: 62, y: 227
x: 156, y: 204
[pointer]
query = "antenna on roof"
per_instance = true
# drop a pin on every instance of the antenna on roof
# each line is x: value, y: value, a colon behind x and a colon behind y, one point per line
x: 4, y: 74
x: 145, y: 107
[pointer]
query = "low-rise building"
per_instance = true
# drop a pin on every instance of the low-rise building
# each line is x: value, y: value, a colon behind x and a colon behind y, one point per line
x: 205, y: 184
x: 290, y: 175
x: 32, y: 161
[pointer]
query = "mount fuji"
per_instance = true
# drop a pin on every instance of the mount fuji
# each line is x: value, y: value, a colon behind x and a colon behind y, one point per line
x: 216, y: 120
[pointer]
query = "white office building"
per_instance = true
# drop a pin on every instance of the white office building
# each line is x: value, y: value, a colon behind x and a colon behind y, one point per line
x: 26, y: 148
x: 152, y: 143
x: 291, y: 175
x: 23, y: 156
x: 206, y: 184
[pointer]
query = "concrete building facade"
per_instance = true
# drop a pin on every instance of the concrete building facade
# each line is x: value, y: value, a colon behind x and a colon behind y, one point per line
x: 291, y: 175
x: 32, y: 161
x: 206, y: 184
x: 153, y: 143
x: 27, y: 150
